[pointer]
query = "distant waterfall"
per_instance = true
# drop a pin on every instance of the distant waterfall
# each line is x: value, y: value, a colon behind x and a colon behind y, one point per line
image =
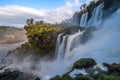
x: 96, y: 18
x: 83, y: 21
x: 97, y: 15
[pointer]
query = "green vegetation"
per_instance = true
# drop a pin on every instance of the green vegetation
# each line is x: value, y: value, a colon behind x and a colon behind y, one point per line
x: 81, y: 77
x: 64, y: 77
x: 113, y: 72
x: 84, y: 63
x: 103, y: 76
x: 41, y: 36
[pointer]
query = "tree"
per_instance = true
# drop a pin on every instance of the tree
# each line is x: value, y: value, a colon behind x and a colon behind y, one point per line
x: 30, y: 21
x: 82, y: 6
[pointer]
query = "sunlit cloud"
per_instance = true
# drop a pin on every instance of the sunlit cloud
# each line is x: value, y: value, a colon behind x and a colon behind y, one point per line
x: 15, y: 14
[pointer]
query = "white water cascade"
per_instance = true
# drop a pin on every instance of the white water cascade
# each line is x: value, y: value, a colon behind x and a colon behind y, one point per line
x: 104, y: 47
x: 83, y: 21
x: 71, y: 41
x: 61, y: 46
x: 96, y: 18
x: 65, y: 43
x: 97, y: 15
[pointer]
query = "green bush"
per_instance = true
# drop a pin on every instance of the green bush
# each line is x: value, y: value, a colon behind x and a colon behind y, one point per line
x: 42, y: 36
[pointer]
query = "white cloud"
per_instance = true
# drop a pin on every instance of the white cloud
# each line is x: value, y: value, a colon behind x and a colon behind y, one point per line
x: 14, y: 14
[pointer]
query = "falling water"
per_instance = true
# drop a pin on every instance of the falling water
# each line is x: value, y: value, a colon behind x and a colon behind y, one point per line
x: 83, y: 21
x: 70, y: 43
x: 103, y: 47
x: 58, y: 43
x: 97, y: 15
x: 96, y: 18
x: 61, y: 47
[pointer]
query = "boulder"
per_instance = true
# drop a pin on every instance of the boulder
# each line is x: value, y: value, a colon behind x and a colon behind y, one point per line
x: 112, y: 67
x: 9, y: 75
x: 84, y: 63
x: 37, y: 78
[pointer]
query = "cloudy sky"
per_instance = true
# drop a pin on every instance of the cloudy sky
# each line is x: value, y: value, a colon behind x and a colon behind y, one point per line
x: 15, y: 12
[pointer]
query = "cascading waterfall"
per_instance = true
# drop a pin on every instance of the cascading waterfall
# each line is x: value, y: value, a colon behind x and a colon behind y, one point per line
x: 70, y: 43
x: 65, y: 43
x: 83, y: 21
x: 61, y: 46
x: 58, y: 43
x: 103, y: 47
x: 97, y: 15
x: 96, y: 18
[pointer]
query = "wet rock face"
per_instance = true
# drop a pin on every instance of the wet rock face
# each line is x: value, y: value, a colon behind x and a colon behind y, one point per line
x: 76, y: 19
x: 111, y: 3
x: 16, y: 75
x: 87, y: 35
x: 8, y: 75
x: 37, y: 78
x: 107, y: 3
x: 90, y: 10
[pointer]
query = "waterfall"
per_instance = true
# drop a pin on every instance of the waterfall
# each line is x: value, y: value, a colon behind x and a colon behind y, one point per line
x: 61, y: 45
x: 65, y: 43
x: 97, y: 15
x: 96, y: 18
x: 58, y: 43
x: 70, y: 43
x: 83, y: 21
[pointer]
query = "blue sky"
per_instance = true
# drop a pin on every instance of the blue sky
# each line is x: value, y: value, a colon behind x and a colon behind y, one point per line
x: 15, y: 12
x: 38, y: 4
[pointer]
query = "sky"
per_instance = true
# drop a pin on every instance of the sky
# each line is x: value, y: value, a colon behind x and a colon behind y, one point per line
x: 15, y: 12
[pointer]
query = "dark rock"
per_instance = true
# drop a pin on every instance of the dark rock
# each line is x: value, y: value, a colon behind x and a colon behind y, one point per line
x: 110, y: 6
x: 8, y: 75
x: 112, y: 67
x: 87, y: 35
x: 90, y: 9
x: 107, y: 3
x: 37, y: 78
x: 83, y: 63
x: 76, y: 19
